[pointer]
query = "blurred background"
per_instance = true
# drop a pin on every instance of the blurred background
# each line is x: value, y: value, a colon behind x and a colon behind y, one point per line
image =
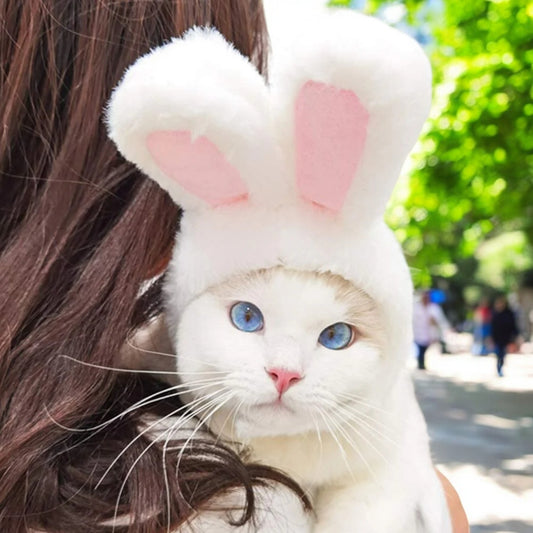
x: 463, y: 212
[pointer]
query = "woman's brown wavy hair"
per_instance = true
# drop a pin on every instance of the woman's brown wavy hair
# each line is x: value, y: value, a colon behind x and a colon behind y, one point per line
x: 80, y: 230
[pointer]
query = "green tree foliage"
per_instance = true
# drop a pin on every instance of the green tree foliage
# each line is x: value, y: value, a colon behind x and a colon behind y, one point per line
x: 504, y: 259
x: 472, y: 174
x: 340, y: 3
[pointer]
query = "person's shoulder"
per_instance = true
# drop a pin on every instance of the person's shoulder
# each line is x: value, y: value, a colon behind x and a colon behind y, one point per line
x: 435, y: 308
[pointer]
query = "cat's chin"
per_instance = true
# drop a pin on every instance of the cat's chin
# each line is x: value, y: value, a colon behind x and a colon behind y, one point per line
x: 275, y: 407
x: 270, y: 419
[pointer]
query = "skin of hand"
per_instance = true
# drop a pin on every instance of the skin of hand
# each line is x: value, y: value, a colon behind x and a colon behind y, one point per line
x: 457, y: 512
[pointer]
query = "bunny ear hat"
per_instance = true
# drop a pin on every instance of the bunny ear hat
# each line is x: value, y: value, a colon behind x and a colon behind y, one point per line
x: 296, y: 172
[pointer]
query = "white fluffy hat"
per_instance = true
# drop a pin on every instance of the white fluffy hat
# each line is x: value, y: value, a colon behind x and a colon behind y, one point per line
x: 296, y: 172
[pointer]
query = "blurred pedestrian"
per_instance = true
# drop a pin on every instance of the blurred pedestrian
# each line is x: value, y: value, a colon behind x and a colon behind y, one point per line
x: 482, y: 321
x: 429, y: 322
x: 504, y: 330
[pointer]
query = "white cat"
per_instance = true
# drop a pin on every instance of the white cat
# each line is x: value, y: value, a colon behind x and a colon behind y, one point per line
x: 288, y: 298
x: 300, y: 372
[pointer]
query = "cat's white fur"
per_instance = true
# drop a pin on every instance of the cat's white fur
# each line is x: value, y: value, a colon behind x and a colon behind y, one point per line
x: 350, y: 431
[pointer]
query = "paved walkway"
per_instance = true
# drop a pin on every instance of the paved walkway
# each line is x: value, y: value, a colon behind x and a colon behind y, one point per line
x: 481, y: 428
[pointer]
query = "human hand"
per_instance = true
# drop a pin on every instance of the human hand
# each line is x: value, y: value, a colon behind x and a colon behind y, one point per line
x: 457, y: 512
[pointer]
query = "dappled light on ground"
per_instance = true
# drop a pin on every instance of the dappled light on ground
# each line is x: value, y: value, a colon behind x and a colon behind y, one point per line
x: 481, y: 427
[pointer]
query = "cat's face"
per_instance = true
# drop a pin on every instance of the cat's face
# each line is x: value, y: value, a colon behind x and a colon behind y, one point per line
x: 278, y: 351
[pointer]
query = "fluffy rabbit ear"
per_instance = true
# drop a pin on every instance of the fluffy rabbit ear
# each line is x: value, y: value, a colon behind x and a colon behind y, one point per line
x: 356, y: 93
x: 193, y: 115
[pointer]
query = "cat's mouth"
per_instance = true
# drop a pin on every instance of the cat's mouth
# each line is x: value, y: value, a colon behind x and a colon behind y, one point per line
x: 277, y: 405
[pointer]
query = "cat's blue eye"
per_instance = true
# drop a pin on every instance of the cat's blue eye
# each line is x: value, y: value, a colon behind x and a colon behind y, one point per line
x: 246, y: 317
x: 337, y: 336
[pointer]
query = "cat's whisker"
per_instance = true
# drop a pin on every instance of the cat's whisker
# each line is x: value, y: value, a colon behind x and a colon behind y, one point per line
x: 362, y: 401
x: 199, y: 408
x: 117, y: 369
x: 165, y: 354
x: 347, y: 417
x: 172, y: 355
x: 354, y: 446
x: 349, y: 408
x: 203, y: 361
x: 137, y: 405
x: 140, y: 371
x: 318, y: 433
x: 167, y: 486
x: 219, y: 403
x: 141, y: 455
x: 340, y: 446
x: 172, y: 428
x: 150, y: 352
x: 360, y: 434
x: 150, y: 426
x: 236, y: 413
x: 355, y: 409
x: 188, y: 388
x: 247, y: 410
x: 195, y: 414
x: 231, y: 415
x: 370, y: 423
x: 199, y: 373
x: 165, y: 448
x: 66, y: 428
x: 199, y: 405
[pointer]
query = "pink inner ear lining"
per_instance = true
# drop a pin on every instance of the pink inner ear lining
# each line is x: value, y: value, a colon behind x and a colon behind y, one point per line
x: 330, y: 133
x: 198, y: 166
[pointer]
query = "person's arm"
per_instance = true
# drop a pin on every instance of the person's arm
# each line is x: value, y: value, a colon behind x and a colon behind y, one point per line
x: 440, y: 318
x: 457, y: 512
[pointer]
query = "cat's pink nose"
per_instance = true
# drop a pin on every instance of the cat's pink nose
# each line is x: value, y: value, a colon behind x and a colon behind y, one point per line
x: 283, y: 378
